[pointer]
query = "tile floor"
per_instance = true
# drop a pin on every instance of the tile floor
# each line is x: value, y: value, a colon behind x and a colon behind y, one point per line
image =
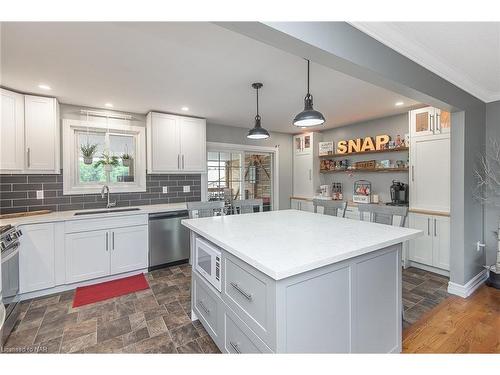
x: 157, y: 320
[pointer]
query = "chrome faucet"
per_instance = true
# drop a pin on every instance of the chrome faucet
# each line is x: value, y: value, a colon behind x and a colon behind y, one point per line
x: 108, y: 204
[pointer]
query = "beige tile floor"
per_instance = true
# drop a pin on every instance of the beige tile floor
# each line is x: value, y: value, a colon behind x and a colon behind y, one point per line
x: 156, y: 320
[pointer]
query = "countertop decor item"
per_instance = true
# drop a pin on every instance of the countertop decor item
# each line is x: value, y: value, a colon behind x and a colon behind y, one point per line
x: 308, y: 117
x: 257, y: 132
x: 362, y: 191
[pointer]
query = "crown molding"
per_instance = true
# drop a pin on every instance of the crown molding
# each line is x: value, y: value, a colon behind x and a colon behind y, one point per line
x: 393, y: 38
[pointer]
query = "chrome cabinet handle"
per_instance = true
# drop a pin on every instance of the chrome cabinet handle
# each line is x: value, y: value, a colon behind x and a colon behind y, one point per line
x: 435, y: 228
x: 310, y: 174
x: 113, y: 240
x: 428, y: 226
x: 432, y: 122
x: 29, y: 157
x: 178, y: 161
x: 438, y: 125
x: 182, y: 161
x: 413, y: 173
x: 235, y: 347
x: 248, y: 296
x: 203, y: 307
x: 107, y: 241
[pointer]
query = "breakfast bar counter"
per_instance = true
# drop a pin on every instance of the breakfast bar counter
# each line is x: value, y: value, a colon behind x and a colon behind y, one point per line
x: 293, y: 281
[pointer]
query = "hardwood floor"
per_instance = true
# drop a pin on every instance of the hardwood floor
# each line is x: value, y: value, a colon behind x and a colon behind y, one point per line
x: 458, y: 325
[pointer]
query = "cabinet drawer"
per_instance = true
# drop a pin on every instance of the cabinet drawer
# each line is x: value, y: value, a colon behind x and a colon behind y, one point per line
x: 206, y: 304
x: 238, y: 338
x: 251, y: 295
x: 85, y: 225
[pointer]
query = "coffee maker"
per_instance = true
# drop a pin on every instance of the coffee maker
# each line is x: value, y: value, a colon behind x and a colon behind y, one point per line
x: 399, y: 194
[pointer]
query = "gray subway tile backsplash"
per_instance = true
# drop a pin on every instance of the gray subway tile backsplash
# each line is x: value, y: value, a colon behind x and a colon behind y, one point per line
x: 18, y: 193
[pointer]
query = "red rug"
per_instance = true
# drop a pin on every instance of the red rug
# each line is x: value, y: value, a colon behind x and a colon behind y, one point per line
x: 85, y: 295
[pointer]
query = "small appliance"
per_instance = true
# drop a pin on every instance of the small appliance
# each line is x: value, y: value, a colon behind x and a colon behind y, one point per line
x: 325, y: 191
x: 399, y: 194
x: 9, y: 246
x: 207, y: 260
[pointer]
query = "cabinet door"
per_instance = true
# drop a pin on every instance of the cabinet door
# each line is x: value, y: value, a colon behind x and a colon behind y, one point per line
x: 443, y: 122
x: 295, y: 204
x: 129, y: 249
x: 37, y: 257
x: 430, y: 173
x: 87, y: 255
x: 307, y: 206
x: 12, y: 131
x: 297, y: 144
x: 302, y: 176
x: 42, y: 129
x: 420, y: 249
x: 441, y: 242
x: 303, y: 144
x: 422, y: 121
x: 163, y: 143
x: 193, y: 144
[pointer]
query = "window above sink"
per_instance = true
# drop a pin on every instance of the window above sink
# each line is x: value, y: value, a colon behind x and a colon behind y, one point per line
x: 97, y: 153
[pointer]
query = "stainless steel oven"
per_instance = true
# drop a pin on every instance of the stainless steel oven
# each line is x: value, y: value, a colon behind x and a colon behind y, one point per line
x: 9, y: 244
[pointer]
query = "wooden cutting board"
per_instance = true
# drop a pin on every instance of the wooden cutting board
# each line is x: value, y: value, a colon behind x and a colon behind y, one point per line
x: 23, y: 214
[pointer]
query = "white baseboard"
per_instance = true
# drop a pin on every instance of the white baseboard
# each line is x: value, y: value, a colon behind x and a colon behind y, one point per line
x: 466, y: 290
x: 66, y: 287
x: 425, y: 267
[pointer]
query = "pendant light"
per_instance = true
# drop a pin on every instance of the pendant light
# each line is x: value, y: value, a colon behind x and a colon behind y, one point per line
x: 257, y: 132
x: 308, y: 117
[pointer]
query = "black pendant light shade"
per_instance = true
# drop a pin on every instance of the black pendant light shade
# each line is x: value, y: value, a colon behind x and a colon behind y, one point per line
x: 308, y: 117
x: 257, y: 132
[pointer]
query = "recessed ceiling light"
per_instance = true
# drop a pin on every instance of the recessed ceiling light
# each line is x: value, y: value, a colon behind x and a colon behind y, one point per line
x: 399, y: 104
x: 43, y: 86
x: 109, y: 105
x: 185, y: 108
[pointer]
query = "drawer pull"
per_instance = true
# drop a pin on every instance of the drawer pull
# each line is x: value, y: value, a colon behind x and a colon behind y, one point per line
x: 248, y: 296
x: 203, y: 307
x: 235, y: 347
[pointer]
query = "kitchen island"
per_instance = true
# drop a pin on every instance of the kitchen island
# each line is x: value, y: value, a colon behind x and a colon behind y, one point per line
x: 299, y: 282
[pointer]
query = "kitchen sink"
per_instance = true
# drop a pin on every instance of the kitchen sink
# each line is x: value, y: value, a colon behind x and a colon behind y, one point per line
x: 106, y: 211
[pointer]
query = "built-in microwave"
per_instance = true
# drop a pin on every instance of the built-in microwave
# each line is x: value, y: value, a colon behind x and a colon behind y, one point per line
x: 208, y: 262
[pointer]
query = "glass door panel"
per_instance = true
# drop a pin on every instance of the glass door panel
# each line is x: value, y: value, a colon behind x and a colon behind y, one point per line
x: 422, y: 122
x: 444, y: 119
x: 258, y: 178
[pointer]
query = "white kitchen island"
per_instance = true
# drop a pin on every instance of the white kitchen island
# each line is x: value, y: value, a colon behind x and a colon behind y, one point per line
x: 299, y: 282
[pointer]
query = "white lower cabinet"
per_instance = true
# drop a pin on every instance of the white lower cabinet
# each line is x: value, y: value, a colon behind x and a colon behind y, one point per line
x: 100, y: 253
x: 36, y: 257
x: 433, y: 248
x: 87, y: 255
x: 302, y: 205
x: 127, y: 249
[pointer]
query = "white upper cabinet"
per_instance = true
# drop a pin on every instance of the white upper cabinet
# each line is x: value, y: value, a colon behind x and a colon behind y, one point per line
x: 429, y: 121
x: 302, y: 144
x: 176, y: 144
x: 42, y: 134
x: 306, y: 165
x: 12, y: 131
x: 29, y: 134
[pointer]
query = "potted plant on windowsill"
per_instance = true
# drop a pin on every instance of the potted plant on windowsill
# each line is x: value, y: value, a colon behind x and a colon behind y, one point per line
x: 488, y: 193
x: 107, y: 161
x: 126, y: 160
x: 88, y: 150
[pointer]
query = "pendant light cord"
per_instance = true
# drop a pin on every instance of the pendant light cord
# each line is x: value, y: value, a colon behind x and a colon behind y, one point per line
x: 308, y: 77
x: 257, y: 101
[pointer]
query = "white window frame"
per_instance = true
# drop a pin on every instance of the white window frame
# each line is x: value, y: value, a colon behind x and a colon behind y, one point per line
x: 235, y: 148
x: 70, y: 153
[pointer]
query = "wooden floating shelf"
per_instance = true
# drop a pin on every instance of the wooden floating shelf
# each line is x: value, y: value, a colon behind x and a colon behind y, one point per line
x: 398, y: 149
x: 367, y: 170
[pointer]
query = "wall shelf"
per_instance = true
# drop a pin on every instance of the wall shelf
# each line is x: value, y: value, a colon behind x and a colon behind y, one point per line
x: 367, y: 170
x: 399, y: 149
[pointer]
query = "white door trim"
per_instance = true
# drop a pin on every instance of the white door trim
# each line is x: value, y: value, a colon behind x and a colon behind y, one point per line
x: 219, y: 146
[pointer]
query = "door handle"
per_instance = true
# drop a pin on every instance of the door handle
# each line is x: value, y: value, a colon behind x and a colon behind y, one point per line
x: 182, y: 161
x: 235, y: 347
x: 29, y: 157
x: 248, y: 296
x: 203, y: 307
x: 113, y: 240
x: 310, y: 174
x: 428, y: 226
x: 435, y: 227
x: 413, y: 173
x: 107, y: 241
x: 178, y: 161
x: 431, y: 122
x: 438, y: 125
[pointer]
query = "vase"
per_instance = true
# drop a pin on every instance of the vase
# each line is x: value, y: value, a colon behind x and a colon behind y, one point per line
x: 88, y: 161
x: 108, y: 167
x: 126, y: 162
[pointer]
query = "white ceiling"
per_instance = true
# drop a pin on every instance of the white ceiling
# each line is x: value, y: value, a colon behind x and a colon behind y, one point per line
x: 163, y: 66
x: 464, y: 53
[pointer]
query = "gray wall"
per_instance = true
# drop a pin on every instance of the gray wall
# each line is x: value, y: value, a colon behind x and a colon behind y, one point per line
x: 346, y: 49
x: 393, y: 126
x: 492, y: 214
x: 230, y: 134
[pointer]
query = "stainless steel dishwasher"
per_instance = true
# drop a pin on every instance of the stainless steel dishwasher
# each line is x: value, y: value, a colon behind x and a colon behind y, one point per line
x: 168, y: 239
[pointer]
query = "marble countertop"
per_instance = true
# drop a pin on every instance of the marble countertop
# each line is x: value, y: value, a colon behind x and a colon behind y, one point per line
x: 70, y: 215
x: 285, y: 243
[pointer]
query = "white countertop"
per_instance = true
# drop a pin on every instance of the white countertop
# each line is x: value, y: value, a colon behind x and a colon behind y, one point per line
x: 70, y: 215
x: 285, y: 243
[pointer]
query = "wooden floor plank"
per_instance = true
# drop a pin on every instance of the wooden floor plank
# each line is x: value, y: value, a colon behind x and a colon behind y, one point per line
x: 458, y: 325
